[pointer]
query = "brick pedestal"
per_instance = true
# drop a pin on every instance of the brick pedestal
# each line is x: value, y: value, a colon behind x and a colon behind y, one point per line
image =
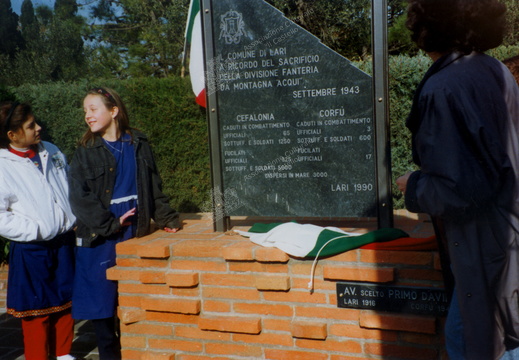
x: 203, y: 295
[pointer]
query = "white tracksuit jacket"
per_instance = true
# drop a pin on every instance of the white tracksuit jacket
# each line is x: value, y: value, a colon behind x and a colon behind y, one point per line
x: 34, y: 206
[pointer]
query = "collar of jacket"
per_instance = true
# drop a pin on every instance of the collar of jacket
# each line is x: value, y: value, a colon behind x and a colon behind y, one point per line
x: 137, y: 137
x: 6, y: 154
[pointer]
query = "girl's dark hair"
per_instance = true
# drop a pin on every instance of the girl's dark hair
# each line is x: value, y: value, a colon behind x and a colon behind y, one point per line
x: 15, y: 114
x: 456, y: 25
x: 110, y: 99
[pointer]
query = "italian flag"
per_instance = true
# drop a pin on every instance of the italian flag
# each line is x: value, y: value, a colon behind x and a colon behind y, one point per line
x: 311, y: 241
x: 196, y: 55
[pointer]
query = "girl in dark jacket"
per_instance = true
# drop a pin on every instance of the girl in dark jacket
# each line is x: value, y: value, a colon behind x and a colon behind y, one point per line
x: 115, y: 190
x: 465, y: 131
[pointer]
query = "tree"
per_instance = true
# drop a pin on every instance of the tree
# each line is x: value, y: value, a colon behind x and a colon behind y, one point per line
x: 11, y: 40
x: 149, y: 35
x: 53, y: 45
x: 29, y: 22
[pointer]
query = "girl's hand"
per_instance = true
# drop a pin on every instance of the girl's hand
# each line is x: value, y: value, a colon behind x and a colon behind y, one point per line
x: 401, y: 182
x: 170, y: 230
x: 126, y: 215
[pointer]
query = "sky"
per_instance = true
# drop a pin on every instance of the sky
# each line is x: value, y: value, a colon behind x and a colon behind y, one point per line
x: 17, y: 4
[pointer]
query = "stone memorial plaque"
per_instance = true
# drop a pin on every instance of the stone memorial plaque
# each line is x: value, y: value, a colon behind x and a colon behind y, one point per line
x: 295, y: 118
x: 400, y: 299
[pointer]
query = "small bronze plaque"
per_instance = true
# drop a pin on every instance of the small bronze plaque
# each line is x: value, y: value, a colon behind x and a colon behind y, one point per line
x: 400, y: 299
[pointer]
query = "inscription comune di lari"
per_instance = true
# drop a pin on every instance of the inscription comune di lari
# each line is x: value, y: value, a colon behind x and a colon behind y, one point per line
x: 296, y: 120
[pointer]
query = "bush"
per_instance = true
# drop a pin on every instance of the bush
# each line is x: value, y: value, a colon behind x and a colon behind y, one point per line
x: 164, y: 109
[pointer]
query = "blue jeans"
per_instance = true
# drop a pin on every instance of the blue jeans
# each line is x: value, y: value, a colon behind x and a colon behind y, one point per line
x: 454, y: 342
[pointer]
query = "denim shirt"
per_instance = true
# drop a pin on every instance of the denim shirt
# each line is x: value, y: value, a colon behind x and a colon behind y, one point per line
x: 92, y: 179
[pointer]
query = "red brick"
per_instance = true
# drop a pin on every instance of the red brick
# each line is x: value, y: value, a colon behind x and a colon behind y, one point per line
x: 215, y: 292
x: 273, y: 283
x: 309, y: 330
x: 132, y: 354
x: 197, y: 265
x: 152, y: 355
x: 400, y: 352
x: 171, y: 318
x: 412, y: 323
x: 420, y: 274
x: 270, y: 255
x: 164, y: 304
x: 117, y: 273
x: 130, y: 301
x: 240, y: 251
x: 200, y: 357
x: 129, y: 247
x: 258, y: 267
x: 142, y: 263
x: 267, y: 339
x: 318, y: 284
x: 143, y: 289
x: 277, y: 324
x: 329, y: 345
x: 295, y: 296
x: 397, y: 257
x: 182, y: 279
x: 150, y: 330
x: 199, y: 248
x: 273, y: 354
x: 327, y: 313
x: 178, y: 345
x: 192, y: 332
x: 128, y: 316
x: 234, y: 324
x: 216, y: 306
x: 152, y: 277
x: 233, y: 349
x: 378, y: 275
x: 138, y: 342
x: 354, y: 331
x: 263, y: 309
x: 228, y: 280
x: 155, y: 249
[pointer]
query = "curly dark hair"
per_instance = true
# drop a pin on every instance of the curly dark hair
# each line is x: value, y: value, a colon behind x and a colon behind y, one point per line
x: 456, y: 25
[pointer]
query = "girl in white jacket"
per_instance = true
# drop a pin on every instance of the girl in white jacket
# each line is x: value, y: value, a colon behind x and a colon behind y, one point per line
x: 35, y: 215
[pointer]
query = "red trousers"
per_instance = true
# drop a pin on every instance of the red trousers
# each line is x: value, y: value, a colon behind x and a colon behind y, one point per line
x: 48, y: 335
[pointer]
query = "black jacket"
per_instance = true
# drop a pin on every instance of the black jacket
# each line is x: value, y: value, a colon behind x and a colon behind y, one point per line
x: 92, y: 179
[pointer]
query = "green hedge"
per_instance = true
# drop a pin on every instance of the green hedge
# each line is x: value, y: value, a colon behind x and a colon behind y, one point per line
x: 162, y: 108
x: 165, y: 110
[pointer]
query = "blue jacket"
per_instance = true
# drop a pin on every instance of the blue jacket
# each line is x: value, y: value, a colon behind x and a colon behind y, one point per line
x: 465, y: 130
x: 92, y: 179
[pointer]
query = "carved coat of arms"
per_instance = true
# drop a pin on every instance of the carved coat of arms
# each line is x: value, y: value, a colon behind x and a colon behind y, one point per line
x: 232, y: 27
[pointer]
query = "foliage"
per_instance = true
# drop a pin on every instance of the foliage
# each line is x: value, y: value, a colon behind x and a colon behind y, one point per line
x: 149, y: 35
x: 512, y: 20
x: 163, y: 108
x: 53, y: 46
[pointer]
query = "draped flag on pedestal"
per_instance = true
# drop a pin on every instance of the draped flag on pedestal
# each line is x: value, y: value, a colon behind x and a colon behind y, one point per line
x: 196, y: 55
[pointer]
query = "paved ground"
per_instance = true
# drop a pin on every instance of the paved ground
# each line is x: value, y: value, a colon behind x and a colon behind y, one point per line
x: 11, y: 340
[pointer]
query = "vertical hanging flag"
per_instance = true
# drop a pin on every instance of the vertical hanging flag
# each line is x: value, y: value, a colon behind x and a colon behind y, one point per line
x: 196, y: 55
